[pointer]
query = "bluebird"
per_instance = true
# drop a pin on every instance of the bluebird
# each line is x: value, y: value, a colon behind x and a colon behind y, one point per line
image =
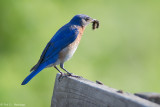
x: 62, y: 45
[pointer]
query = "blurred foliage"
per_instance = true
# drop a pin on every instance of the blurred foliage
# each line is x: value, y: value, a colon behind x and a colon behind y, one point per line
x: 123, y: 53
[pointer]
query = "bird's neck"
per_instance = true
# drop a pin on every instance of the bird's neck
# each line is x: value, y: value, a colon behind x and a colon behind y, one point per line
x: 81, y: 29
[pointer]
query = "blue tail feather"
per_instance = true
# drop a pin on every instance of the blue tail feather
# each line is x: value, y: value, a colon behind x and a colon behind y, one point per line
x: 32, y: 74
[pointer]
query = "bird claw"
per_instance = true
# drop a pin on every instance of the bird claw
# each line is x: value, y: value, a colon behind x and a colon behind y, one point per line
x: 76, y: 76
x: 67, y: 74
x: 62, y: 76
x: 71, y: 75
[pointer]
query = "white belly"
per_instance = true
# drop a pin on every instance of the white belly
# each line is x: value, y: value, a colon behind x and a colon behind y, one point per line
x: 66, y: 54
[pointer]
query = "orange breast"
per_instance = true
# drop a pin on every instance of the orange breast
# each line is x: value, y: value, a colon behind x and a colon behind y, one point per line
x: 68, y: 52
x: 76, y: 42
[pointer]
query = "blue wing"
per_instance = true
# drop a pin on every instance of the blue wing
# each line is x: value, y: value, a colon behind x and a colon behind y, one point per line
x: 60, y: 40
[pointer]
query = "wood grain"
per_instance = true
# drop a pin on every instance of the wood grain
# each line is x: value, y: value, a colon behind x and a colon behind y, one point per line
x: 79, y: 92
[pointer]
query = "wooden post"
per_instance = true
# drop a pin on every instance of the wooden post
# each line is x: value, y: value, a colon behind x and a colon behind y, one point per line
x: 79, y: 92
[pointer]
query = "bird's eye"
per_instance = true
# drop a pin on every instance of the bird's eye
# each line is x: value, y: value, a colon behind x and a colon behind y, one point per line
x: 87, y: 18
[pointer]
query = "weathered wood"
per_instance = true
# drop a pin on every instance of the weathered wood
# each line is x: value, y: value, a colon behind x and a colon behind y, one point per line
x: 154, y: 97
x: 79, y: 92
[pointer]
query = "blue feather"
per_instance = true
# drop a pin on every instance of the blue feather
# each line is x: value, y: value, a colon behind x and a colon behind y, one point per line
x: 63, y: 37
x: 33, y: 73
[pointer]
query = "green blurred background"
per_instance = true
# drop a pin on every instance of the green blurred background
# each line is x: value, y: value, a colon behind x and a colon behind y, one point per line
x: 124, y: 53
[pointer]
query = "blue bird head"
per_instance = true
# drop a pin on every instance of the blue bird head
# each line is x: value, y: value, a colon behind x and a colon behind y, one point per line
x: 81, y: 20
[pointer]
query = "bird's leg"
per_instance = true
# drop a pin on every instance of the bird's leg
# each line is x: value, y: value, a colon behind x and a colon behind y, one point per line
x: 62, y: 74
x: 62, y: 66
x: 58, y: 69
x: 69, y: 74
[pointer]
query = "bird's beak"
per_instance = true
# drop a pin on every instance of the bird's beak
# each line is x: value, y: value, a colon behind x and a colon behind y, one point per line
x: 91, y: 20
x: 95, y: 23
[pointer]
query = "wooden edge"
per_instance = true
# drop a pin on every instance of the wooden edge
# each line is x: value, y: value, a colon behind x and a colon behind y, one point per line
x: 105, y: 95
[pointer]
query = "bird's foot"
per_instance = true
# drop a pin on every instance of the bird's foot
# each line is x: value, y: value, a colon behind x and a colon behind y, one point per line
x: 70, y: 74
x: 62, y: 76
x: 66, y: 75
